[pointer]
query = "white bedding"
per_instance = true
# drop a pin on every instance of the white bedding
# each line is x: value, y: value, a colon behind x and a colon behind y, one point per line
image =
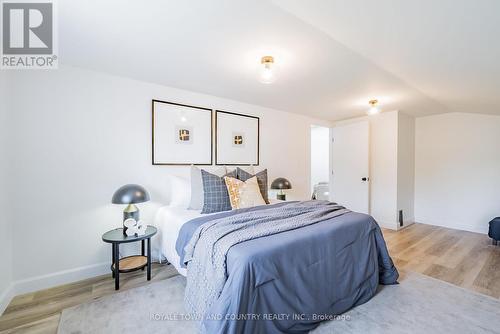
x: 169, y: 220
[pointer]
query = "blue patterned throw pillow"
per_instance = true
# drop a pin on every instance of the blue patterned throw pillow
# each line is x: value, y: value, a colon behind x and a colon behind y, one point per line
x: 261, y: 179
x: 215, y: 195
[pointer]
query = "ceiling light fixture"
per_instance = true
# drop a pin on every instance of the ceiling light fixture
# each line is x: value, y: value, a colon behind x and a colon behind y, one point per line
x: 268, y: 70
x: 373, y: 107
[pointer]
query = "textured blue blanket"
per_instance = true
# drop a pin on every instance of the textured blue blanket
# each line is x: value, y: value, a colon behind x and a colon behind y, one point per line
x: 290, y: 281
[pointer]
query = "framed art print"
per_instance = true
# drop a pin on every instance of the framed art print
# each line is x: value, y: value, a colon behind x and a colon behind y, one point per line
x: 237, y: 139
x: 182, y: 134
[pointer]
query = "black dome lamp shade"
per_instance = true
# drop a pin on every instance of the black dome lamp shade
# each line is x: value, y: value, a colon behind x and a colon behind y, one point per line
x: 281, y: 183
x: 130, y: 194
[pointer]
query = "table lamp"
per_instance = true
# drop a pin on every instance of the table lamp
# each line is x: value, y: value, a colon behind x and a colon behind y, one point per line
x: 130, y: 194
x: 281, y: 183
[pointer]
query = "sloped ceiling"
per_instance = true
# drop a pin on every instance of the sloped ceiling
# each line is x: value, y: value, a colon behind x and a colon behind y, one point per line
x: 447, y: 49
x: 333, y: 56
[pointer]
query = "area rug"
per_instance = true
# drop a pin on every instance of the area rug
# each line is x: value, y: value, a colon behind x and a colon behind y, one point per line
x: 419, y: 304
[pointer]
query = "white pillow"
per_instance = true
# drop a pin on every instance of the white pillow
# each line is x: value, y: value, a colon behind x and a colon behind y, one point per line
x: 244, y: 194
x: 250, y: 194
x: 180, y: 192
x: 196, y: 202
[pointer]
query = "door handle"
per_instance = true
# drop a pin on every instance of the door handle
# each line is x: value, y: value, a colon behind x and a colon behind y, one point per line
x: 364, y: 179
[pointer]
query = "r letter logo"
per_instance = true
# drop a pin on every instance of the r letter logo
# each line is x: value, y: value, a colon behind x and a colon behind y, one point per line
x: 28, y: 35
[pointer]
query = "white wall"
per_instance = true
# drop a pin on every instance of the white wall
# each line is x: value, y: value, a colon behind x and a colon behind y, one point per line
x: 383, y: 167
x: 406, y: 167
x: 79, y: 135
x: 5, y: 218
x: 320, y: 156
x: 457, y: 170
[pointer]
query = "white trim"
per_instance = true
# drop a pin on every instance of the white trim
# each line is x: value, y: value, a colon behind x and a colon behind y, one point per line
x: 51, y: 280
x: 395, y: 225
x: 61, y: 277
x: 457, y: 226
x: 6, y: 297
x: 387, y: 225
x: 406, y: 224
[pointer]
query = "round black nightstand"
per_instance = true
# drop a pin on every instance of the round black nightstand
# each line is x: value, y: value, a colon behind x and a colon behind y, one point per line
x: 130, y: 263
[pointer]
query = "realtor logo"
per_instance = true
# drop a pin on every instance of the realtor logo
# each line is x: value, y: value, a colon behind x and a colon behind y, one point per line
x: 28, y: 35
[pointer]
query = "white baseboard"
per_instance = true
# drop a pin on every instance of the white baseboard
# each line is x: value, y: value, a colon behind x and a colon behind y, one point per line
x: 455, y: 226
x: 51, y: 280
x: 6, y: 297
x: 406, y: 224
x: 395, y: 224
x: 388, y: 225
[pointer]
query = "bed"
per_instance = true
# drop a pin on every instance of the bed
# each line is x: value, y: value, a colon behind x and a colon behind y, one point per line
x: 284, y: 282
x: 169, y: 221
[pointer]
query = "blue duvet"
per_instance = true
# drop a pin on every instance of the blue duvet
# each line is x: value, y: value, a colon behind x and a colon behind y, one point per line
x: 290, y: 281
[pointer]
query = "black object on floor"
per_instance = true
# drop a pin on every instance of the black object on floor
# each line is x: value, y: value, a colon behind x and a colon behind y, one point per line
x: 494, y: 231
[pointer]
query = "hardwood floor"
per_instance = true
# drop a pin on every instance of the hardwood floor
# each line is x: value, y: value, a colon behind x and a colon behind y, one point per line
x: 39, y: 312
x: 462, y: 258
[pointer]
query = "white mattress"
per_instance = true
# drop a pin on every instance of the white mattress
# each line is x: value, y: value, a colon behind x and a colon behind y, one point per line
x: 169, y: 221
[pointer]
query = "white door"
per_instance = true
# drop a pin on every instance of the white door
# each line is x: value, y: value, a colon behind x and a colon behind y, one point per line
x: 350, y: 166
